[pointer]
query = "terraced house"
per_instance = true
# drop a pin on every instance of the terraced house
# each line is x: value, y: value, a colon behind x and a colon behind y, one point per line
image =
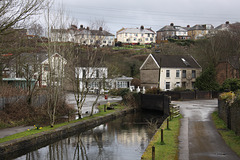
x: 169, y: 71
x: 133, y: 36
x: 84, y: 36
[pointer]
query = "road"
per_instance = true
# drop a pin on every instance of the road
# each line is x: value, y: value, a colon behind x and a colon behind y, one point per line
x: 199, y: 139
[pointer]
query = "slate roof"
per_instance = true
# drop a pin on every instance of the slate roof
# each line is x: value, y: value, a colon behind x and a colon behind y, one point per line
x: 176, y: 61
x: 167, y: 28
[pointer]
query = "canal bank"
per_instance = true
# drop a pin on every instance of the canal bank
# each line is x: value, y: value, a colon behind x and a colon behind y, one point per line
x: 39, y: 140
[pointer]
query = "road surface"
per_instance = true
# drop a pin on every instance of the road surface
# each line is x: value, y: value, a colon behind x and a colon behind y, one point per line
x: 199, y: 139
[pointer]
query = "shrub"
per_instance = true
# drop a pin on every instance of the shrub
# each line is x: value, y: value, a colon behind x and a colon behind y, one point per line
x: 227, y: 96
x: 153, y: 90
x: 232, y: 84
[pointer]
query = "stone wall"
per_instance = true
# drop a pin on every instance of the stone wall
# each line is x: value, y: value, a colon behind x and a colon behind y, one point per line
x: 230, y: 114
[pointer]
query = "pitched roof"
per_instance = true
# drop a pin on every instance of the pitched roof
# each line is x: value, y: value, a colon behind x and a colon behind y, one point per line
x: 176, y: 61
x: 167, y: 28
x: 136, y: 30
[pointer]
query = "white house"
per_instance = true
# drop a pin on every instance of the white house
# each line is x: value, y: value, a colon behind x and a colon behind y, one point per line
x: 121, y: 82
x: 84, y: 36
x: 136, y: 35
x: 56, y: 64
x: 169, y: 71
x: 92, y: 77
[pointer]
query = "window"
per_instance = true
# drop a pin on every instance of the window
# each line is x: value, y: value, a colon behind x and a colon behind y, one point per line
x: 184, y: 74
x: 193, y: 85
x: 122, y: 84
x: 136, y: 35
x: 167, y: 73
x: 97, y: 73
x: 104, y: 42
x: 148, y: 34
x: 177, y: 73
x: 177, y: 84
x: 46, y: 67
x: 151, y: 39
x: 84, y: 74
x: 167, y: 85
x: 125, y: 34
x: 146, y: 39
x: 193, y: 73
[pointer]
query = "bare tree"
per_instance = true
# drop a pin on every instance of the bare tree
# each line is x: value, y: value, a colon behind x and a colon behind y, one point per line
x: 14, y: 12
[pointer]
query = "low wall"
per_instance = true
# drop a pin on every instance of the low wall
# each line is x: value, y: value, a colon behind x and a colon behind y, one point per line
x: 155, y: 102
x: 26, y: 144
x: 189, y: 95
x: 230, y: 114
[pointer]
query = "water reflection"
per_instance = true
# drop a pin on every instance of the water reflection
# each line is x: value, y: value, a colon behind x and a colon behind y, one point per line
x: 124, y: 138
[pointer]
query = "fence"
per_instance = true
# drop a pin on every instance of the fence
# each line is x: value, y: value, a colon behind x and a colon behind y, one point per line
x: 230, y: 114
x: 189, y: 95
x: 37, y: 101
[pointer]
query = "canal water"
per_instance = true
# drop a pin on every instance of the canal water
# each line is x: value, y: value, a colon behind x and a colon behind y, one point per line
x: 125, y: 138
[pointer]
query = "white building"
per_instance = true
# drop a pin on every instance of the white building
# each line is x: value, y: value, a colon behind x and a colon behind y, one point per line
x: 136, y: 36
x: 84, y: 36
x: 92, y: 77
x: 56, y: 64
x: 169, y: 71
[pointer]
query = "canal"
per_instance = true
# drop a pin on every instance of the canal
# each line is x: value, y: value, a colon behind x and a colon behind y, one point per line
x: 125, y: 138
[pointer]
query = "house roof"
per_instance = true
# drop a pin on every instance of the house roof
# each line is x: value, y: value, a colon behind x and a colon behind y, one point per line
x: 136, y: 30
x: 167, y: 28
x: 176, y: 61
x: 233, y: 61
x: 201, y: 27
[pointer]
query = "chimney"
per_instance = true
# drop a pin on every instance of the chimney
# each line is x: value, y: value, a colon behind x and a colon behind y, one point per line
x: 188, y: 26
x: 227, y: 22
x: 171, y: 24
x: 81, y: 26
x: 100, y: 28
x: 87, y: 28
x: 142, y: 27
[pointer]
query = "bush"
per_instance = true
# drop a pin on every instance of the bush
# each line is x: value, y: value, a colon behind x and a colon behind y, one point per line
x: 232, y: 84
x: 227, y: 96
x: 179, y: 88
x: 153, y: 90
x: 119, y: 92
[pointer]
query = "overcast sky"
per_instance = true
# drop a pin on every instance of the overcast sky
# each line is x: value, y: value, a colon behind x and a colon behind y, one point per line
x: 152, y: 13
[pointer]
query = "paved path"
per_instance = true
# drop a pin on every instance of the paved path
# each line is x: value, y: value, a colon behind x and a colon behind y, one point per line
x: 9, y: 131
x: 199, y: 139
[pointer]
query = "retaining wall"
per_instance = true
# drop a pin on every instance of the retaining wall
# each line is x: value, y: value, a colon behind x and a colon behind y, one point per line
x: 26, y: 144
x: 230, y: 114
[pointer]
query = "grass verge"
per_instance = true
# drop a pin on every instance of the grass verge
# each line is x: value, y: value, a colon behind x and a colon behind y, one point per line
x: 231, y: 139
x: 48, y: 128
x: 169, y: 149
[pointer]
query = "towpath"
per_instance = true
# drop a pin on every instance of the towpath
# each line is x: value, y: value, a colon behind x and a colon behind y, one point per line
x: 199, y: 139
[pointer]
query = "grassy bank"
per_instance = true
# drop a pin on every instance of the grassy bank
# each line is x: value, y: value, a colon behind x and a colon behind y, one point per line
x: 169, y: 149
x: 48, y: 128
x: 231, y: 139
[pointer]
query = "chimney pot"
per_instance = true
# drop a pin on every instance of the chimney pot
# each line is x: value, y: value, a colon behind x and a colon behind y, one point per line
x: 171, y: 24
x: 227, y: 22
